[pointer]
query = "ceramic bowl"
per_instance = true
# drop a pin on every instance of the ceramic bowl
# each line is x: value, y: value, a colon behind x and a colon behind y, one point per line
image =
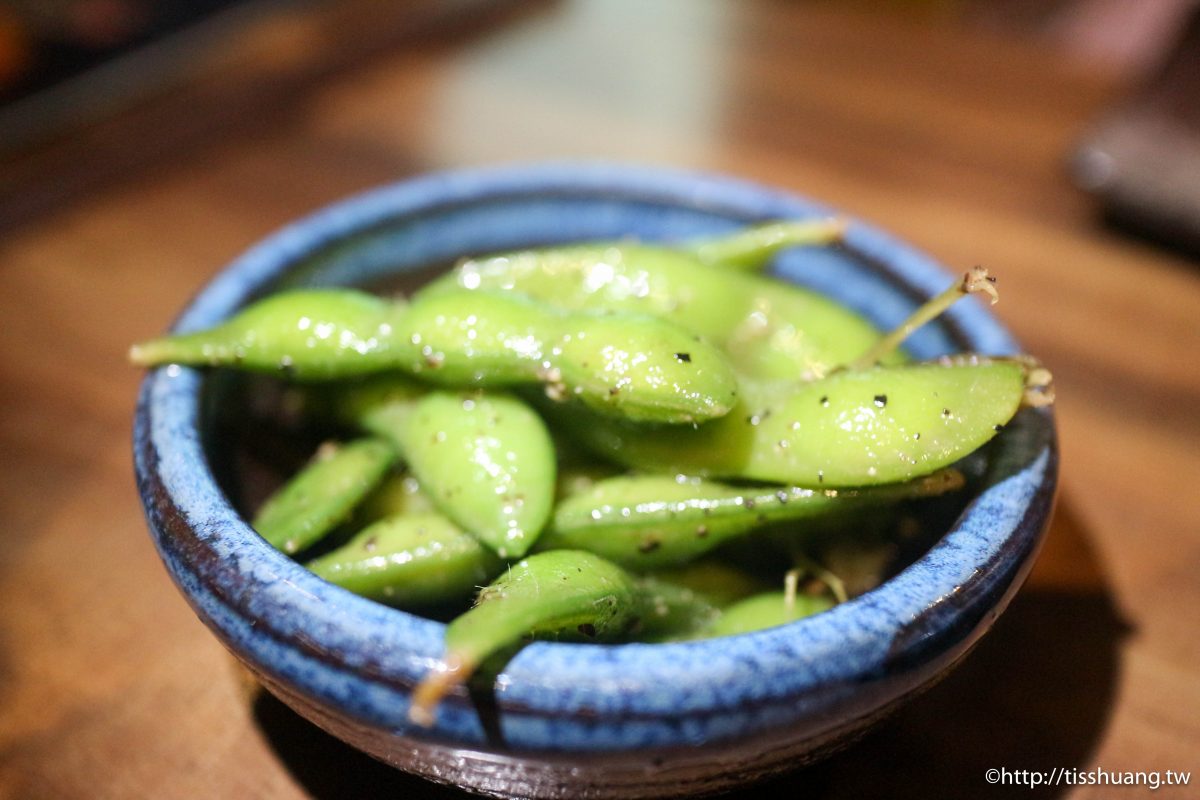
x: 585, y: 720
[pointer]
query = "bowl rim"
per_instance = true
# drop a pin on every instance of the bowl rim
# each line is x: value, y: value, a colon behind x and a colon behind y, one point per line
x: 368, y: 656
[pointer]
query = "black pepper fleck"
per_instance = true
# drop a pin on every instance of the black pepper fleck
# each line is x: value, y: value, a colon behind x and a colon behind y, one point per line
x: 881, y: 400
x: 588, y: 630
x: 685, y: 358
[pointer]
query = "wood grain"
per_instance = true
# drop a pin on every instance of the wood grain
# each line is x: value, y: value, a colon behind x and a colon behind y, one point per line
x: 952, y: 138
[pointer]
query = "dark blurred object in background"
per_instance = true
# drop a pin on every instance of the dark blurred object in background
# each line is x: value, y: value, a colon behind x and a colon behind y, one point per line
x: 54, y: 55
x: 1143, y: 160
x: 44, y: 42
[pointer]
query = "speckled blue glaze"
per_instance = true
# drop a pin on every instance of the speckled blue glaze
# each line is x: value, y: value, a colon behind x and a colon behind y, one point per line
x: 356, y: 659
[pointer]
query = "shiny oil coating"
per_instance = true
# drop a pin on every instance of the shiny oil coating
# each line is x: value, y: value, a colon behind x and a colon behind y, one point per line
x: 773, y: 330
x: 485, y: 459
x: 638, y: 367
x: 558, y: 594
x: 305, y: 334
x: 653, y: 521
x: 410, y: 560
x: 876, y: 426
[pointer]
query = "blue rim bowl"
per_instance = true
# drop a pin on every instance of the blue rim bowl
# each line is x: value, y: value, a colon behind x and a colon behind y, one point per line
x: 586, y: 720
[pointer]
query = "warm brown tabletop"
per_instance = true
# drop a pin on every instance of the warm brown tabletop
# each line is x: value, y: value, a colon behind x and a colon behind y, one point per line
x: 952, y: 138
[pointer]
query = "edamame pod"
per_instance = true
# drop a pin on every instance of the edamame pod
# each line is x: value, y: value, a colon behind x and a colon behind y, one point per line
x: 305, y: 334
x: 558, y: 594
x: 322, y: 494
x: 772, y: 329
x: 410, y: 560
x: 766, y: 610
x: 653, y: 521
x: 875, y: 426
x: 638, y: 367
x: 485, y: 459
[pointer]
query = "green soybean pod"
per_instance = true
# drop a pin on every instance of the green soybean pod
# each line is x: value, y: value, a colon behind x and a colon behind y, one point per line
x: 557, y: 594
x: 634, y: 366
x: 485, y: 459
x: 773, y: 329
x: 875, y: 426
x: 323, y: 494
x: 653, y: 521
x: 410, y: 561
x: 315, y: 334
x: 766, y: 610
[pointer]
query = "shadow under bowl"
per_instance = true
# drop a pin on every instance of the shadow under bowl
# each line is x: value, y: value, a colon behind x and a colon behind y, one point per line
x: 569, y: 720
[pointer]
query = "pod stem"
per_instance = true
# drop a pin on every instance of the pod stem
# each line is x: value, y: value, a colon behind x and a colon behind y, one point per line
x: 152, y: 353
x: 750, y: 249
x: 436, y: 684
x: 805, y: 565
x: 973, y: 280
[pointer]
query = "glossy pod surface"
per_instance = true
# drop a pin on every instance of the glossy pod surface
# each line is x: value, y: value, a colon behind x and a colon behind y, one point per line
x: 410, y: 560
x: 863, y: 428
x: 485, y: 460
x: 559, y: 594
x: 322, y: 494
x: 306, y: 335
x: 774, y: 330
x: 635, y: 366
x: 563, y: 593
x: 654, y: 521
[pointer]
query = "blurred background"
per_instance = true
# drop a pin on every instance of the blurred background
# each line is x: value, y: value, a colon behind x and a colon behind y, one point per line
x: 144, y: 144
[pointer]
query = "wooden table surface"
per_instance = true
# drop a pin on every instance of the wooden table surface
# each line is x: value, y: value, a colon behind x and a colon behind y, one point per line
x: 952, y: 138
